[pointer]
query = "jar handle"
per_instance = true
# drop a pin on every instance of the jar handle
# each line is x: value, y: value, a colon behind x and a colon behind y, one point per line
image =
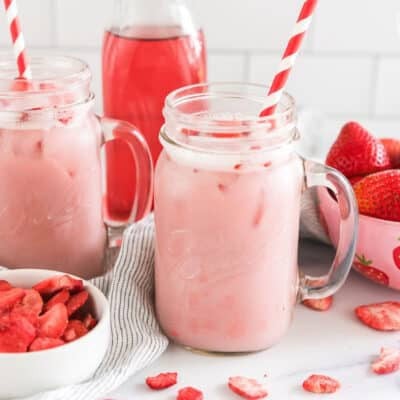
x: 319, y: 287
x: 113, y: 129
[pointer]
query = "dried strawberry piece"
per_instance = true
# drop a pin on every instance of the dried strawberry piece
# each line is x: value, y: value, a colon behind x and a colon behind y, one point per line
x: 319, y: 304
x: 387, y: 362
x: 30, y: 307
x: 321, y: 384
x: 44, y: 343
x: 60, y: 297
x: 162, y: 381
x: 189, y: 393
x: 74, y: 330
x: 53, y: 323
x: 77, y: 301
x: 380, y: 316
x: 8, y: 298
x: 59, y: 282
x: 247, y: 388
x: 89, y: 322
x: 16, y: 334
x: 5, y: 285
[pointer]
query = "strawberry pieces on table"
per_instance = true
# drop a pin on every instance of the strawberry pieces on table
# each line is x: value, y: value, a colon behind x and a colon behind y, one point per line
x: 380, y: 316
x: 247, y: 388
x: 387, y: 362
x: 77, y: 301
x: 189, y: 393
x: 54, y: 322
x: 59, y: 282
x: 16, y: 333
x: 162, y: 381
x: 74, y: 330
x: 392, y: 147
x: 321, y: 384
x: 60, y: 297
x: 378, y: 195
x: 319, y: 304
x: 44, y: 343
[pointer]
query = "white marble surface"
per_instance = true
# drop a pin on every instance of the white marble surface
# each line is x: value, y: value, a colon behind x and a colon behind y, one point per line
x: 332, y: 343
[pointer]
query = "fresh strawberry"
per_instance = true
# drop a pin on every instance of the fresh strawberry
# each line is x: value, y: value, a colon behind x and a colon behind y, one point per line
x: 59, y: 282
x: 356, y: 152
x: 8, y: 298
x: 4, y: 285
x: 321, y: 384
x: 60, y: 297
x: 392, y: 147
x: 319, y: 304
x: 380, y: 316
x: 53, y: 323
x: 378, y: 195
x: 189, y: 393
x: 89, y: 321
x: 355, y: 179
x: 364, y: 267
x: 162, y: 381
x: 247, y: 388
x: 42, y: 343
x: 16, y: 334
x: 387, y: 362
x: 74, y: 330
x: 77, y: 301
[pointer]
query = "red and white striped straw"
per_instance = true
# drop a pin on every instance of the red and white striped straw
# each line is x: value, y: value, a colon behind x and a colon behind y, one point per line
x: 289, y: 57
x: 17, y: 38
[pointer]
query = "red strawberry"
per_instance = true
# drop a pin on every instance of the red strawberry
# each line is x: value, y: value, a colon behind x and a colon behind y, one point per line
x: 189, y: 393
x: 357, y: 152
x: 53, y: 323
x: 355, y: 179
x: 321, y: 384
x: 247, y: 388
x: 77, y: 301
x: 378, y: 195
x: 388, y: 361
x: 45, y: 343
x: 59, y: 282
x: 60, y: 297
x: 74, y: 330
x: 162, y: 381
x: 319, y: 304
x: 392, y: 147
x: 380, y: 316
x: 364, y: 267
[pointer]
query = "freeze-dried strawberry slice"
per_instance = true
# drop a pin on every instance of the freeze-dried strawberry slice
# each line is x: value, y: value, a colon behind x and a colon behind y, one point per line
x: 5, y: 285
x: 321, y: 384
x: 16, y: 334
x: 319, y: 304
x: 77, y: 301
x: 60, y: 297
x: 247, y: 388
x: 380, y: 316
x: 189, y: 393
x: 53, y: 323
x: 59, y: 282
x: 89, y: 321
x: 74, y: 330
x: 30, y: 307
x: 388, y: 361
x: 8, y: 298
x: 43, y: 343
x: 162, y: 381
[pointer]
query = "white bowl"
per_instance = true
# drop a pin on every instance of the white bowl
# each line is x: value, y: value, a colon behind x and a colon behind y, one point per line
x: 24, y: 374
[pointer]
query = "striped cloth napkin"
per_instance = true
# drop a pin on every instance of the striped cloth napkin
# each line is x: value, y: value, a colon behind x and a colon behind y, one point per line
x: 136, y: 336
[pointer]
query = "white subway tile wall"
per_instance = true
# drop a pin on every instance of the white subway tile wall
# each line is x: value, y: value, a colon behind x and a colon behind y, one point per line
x: 349, y: 69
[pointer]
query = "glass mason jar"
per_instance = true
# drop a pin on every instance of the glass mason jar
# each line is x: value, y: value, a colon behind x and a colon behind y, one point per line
x: 227, y: 208
x: 52, y: 201
x: 150, y: 48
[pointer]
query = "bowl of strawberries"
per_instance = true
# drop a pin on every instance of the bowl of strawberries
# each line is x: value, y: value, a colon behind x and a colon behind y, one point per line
x: 372, y: 166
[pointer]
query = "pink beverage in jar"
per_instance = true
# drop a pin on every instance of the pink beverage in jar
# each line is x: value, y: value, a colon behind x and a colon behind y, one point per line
x: 51, y: 201
x: 227, y: 208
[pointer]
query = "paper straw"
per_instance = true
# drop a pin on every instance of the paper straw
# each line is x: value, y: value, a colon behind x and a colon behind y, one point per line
x: 289, y: 57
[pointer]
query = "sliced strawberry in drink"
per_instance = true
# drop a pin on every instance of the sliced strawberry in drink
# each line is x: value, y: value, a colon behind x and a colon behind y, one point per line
x: 89, y: 321
x: 321, y: 384
x: 319, y: 304
x: 8, y: 298
x: 77, y: 301
x: 189, y: 393
x: 380, y: 316
x: 60, y: 297
x: 21, y: 85
x: 59, y: 282
x: 16, y: 334
x: 5, y: 285
x: 44, y: 343
x: 74, y: 330
x: 162, y: 381
x: 247, y: 388
x: 387, y: 362
x: 53, y: 323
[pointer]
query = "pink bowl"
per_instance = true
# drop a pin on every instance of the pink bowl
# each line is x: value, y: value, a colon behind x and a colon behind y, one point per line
x: 378, y: 245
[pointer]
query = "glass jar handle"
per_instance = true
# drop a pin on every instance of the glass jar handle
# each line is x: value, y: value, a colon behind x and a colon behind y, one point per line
x: 319, y: 287
x: 120, y: 130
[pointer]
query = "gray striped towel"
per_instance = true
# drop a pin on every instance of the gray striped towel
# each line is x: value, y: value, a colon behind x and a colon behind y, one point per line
x: 136, y: 337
